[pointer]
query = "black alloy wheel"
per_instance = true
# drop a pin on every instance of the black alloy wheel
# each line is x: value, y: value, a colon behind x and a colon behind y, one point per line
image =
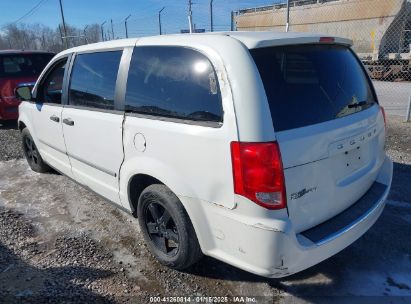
x: 30, y: 150
x: 32, y: 154
x: 167, y: 228
x: 162, y: 228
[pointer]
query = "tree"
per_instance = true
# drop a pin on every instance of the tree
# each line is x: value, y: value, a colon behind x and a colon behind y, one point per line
x: 3, y: 42
x: 41, y: 37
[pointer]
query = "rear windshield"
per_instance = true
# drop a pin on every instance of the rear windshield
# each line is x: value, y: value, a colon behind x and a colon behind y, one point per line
x: 23, y: 65
x: 310, y: 84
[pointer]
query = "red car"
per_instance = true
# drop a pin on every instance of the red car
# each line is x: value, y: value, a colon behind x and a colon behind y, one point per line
x: 18, y: 67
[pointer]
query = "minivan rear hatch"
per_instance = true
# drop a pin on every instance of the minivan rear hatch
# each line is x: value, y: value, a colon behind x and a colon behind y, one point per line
x: 328, y: 125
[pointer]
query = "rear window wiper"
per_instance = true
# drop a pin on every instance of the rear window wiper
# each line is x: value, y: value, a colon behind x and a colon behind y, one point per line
x: 204, y: 116
x: 357, y: 104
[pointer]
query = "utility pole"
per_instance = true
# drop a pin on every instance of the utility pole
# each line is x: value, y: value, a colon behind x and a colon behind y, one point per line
x: 159, y: 20
x: 125, y: 25
x: 287, y: 24
x: 85, y: 34
x: 64, y: 23
x: 102, y: 30
x: 408, y: 114
x: 43, y: 42
x: 211, y: 16
x: 61, y: 35
x: 190, y: 16
x: 232, y: 21
x: 112, y: 29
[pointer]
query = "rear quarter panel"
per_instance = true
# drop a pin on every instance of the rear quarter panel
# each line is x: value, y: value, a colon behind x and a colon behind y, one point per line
x: 192, y: 160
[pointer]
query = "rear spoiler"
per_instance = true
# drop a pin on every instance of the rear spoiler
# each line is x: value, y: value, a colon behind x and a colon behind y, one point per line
x: 303, y: 40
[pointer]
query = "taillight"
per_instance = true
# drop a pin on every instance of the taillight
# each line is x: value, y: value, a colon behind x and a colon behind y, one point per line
x: 258, y: 173
x: 383, y: 115
x: 327, y: 39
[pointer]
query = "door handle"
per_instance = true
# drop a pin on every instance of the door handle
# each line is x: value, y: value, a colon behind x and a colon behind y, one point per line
x: 68, y: 121
x: 54, y: 118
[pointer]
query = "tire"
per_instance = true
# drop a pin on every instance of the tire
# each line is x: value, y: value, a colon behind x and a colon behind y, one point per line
x: 167, y: 229
x: 31, y: 153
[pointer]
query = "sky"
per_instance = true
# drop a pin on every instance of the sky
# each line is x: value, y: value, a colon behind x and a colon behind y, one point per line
x: 144, y: 14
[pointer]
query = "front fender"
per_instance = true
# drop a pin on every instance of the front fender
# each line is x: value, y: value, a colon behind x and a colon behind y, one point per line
x: 25, y: 118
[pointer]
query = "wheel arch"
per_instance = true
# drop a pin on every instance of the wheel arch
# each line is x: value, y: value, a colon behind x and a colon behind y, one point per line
x: 21, y: 125
x: 136, y: 185
x: 25, y: 122
x: 145, y: 180
x: 151, y: 171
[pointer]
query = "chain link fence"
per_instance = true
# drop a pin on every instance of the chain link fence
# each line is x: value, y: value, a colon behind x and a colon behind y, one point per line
x: 380, y: 31
x: 169, y: 20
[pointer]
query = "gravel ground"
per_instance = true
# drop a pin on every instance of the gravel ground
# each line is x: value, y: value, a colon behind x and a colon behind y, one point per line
x: 10, y: 147
x: 398, y: 146
x: 398, y: 140
x: 60, y: 242
x: 393, y: 96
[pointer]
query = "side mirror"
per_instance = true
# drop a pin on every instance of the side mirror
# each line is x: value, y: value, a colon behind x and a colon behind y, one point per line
x: 23, y: 92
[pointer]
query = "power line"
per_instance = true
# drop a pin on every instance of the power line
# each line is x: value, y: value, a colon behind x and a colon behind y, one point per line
x: 31, y: 11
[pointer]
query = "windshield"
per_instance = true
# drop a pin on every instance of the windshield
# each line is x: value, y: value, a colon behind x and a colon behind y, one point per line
x: 23, y: 65
x: 310, y: 84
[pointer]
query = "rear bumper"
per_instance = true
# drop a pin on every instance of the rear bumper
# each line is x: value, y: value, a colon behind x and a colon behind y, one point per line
x: 9, y: 109
x: 270, y: 247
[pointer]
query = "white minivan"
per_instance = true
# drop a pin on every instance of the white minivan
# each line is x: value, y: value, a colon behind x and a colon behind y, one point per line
x: 264, y: 150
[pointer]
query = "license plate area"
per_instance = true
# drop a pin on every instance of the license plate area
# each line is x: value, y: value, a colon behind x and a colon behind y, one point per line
x: 354, y: 159
x: 349, y: 162
x: 352, y: 154
x: 11, y: 109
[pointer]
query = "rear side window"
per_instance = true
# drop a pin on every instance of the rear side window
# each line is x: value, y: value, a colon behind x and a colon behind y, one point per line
x: 173, y: 82
x: 93, y: 80
x: 310, y: 84
x: 23, y: 65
